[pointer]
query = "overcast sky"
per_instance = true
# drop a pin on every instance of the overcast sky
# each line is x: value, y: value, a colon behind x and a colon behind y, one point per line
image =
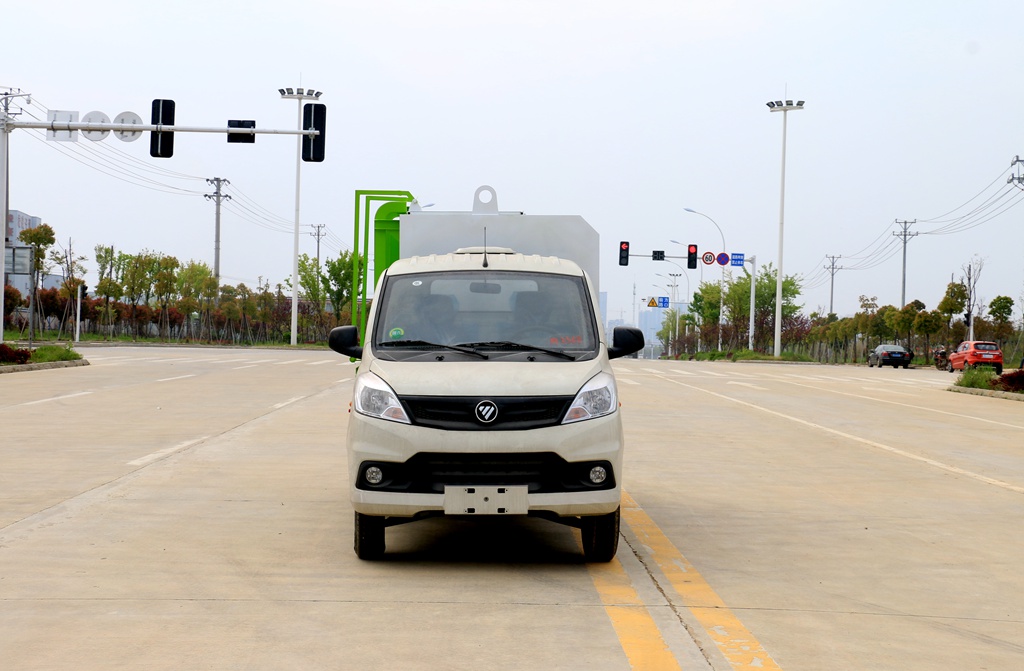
x: 623, y: 113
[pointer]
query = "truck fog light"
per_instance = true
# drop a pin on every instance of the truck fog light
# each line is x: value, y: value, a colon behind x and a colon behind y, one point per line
x: 374, y: 475
x: 598, y: 474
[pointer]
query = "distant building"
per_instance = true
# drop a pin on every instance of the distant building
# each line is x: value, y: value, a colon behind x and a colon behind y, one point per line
x: 17, y: 259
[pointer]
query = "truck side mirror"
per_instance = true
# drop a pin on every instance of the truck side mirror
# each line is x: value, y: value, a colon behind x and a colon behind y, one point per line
x: 625, y: 340
x: 345, y: 340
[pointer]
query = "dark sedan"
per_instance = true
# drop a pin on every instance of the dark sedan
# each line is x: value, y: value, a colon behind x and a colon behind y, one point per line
x: 889, y: 355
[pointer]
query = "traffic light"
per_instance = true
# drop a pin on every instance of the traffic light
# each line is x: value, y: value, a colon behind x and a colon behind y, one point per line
x: 314, y: 117
x: 691, y: 256
x: 623, y: 253
x: 658, y: 255
x: 161, y: 144
x: 241, y: 137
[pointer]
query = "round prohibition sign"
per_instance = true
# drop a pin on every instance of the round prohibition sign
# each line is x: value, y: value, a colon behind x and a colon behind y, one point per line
x: 708, y: 258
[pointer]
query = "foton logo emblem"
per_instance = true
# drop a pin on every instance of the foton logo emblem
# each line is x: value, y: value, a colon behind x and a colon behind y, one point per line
x: 486, y: 412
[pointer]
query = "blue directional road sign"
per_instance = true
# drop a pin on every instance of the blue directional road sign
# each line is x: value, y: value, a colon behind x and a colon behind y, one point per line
x: 737, y: 259
x: 662, y: 301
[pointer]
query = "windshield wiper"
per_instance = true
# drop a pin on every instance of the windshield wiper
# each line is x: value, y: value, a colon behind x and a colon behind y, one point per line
x: 465, y: 349
x: 508, y: 344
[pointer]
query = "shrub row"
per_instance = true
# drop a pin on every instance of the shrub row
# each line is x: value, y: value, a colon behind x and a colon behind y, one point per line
x: 11, y: 355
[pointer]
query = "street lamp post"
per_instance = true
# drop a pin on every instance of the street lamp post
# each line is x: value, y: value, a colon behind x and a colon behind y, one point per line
x: 667, y: 290
x: 785, y: 108
x: 721, y: 281
x: 300, y: 95
x: 689, y: 295
x: 753, y: 282
x: 672, y: 292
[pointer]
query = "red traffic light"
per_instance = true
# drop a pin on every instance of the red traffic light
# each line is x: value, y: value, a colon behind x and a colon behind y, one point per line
x: 691, y: 256
x: 624, y: 253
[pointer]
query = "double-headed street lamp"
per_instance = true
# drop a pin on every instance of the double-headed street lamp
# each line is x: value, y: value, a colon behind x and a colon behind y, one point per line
x: 721, y: 281
x: 779, y: 106
x: 299, y: 94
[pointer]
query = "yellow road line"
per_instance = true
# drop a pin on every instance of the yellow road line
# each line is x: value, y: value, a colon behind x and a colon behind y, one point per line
x: 736, y: 643
x: 638, y: 634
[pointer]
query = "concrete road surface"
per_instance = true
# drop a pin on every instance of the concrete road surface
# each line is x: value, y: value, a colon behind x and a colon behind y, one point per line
x: 187, y: 508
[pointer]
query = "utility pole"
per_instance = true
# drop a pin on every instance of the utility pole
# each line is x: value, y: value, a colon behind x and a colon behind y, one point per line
x: 905, y: 234
x: 319, y: 233
x: 6, y: 125
x: 1017, y: 179
x: 216, y: 197
x: 832, y: 269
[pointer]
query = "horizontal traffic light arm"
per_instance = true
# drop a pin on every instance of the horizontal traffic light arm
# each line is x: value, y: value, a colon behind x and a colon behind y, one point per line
x: 142, y: 127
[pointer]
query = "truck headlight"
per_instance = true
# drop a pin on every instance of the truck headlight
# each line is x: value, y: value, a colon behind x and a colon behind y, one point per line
x: 373, y: 397
x: 597, y: 398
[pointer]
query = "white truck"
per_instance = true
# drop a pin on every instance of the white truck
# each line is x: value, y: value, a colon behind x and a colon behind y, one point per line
x: 485, y: 388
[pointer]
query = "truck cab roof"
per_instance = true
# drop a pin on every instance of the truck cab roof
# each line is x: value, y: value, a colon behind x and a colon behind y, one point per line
x: 473, y: 258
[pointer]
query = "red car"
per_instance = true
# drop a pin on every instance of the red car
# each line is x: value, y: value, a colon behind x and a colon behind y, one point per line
x: 974, y: 353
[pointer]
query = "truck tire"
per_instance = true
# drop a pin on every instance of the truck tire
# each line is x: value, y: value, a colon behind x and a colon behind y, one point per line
x: 600, y: 537
x: 369, y: 536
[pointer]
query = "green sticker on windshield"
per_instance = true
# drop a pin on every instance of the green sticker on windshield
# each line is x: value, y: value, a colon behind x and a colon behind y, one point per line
x: 396, y: 333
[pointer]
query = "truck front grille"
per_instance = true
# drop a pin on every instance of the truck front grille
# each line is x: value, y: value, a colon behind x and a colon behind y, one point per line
x: 458, y: 413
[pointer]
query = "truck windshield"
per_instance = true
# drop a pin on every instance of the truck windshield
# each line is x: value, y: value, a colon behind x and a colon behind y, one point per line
x: 487, y: 310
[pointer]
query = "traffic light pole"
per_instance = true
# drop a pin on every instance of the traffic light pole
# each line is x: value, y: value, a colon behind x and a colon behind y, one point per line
x: 57, y: 126
x: 132, y: 131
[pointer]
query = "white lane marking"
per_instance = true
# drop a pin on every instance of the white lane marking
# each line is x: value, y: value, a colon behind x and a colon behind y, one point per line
x: 142, y: 461
x: 656, y: 371
x: 748, y: 384
x: 288, y: 402
x: 262, y: 361
x: 285, y: 363
x: 320, y: 363
x: 179, y: 377
x: 887, y: 391
x: 881, y: 446
x: 910, y: 405
x: 252, y: 365
x: 54, y: 398
x: 626, y: 381
x: 346, y: 379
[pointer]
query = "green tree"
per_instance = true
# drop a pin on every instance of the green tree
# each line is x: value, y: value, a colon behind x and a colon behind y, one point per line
x: 40, y: 238
x: 337, y: 279
x: 137, y: 283
x: 72, y: 269
x: 928, y: 324
x: 190, y: 280
x: 165, y: 285
x: 902, y: 321
x: 1001, y: 310
x: 953, y: 303
x: 309, y: 280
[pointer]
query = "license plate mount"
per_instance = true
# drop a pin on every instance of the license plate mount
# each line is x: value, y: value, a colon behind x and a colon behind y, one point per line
x: 488, y: 500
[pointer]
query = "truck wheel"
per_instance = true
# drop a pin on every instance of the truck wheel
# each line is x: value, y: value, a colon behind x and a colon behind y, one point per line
x: 600, y: 537
x: 369, y: 536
